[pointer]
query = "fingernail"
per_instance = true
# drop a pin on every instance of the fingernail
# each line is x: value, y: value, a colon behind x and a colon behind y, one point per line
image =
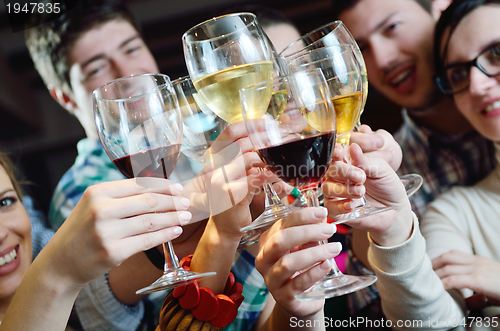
x: 177, y: 230
x: 335, y: 247
x: 320, y: 212
x: 176, y: 188
x: 185, y: 202
x: 379, y: 142
x: 347, y: 205
x: 185, y: 216
x: 328, y: 228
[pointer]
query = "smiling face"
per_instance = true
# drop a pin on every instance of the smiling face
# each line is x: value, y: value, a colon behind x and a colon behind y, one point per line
x: 15, y: 241
x: 396, y: 38
x: 107, y: 52
x: 480, y: 103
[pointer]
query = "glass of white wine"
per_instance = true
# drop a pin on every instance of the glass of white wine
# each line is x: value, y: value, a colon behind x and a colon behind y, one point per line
x: 332, y: 34
x: 338, y: 64
x: 224, y: 55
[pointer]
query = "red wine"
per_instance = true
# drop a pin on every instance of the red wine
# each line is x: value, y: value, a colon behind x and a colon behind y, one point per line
x: 158, y: 162
x: 301, y: 162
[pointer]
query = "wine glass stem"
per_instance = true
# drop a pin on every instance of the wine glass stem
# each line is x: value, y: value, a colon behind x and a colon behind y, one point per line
x: 272, y: 197
x: 311, y: 197
x: 168, y: 251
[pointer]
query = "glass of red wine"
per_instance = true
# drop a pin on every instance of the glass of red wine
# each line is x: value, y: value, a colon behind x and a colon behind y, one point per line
x: 140, y: 126
x: 295, y: 148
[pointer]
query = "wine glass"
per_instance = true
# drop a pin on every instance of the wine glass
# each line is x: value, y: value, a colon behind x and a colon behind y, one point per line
x: 336, y: 33
x: 223, y: 55
x: 296, y: 141
x: 341, y: 70
x: 140, y: 127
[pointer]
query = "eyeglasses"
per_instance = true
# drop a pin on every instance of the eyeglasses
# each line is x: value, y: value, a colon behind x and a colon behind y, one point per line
x: 456, y: 78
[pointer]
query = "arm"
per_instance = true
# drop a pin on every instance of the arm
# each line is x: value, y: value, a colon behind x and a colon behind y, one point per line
x: 112, y: 222
x: 397, y: 249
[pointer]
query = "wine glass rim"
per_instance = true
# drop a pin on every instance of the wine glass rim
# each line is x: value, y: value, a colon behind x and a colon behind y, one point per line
x: 276, y: 79
x: 337, y: 23
x: 345, y: 47
x: 181, y: 79
x: 114, y: 81
x: 184, y: 36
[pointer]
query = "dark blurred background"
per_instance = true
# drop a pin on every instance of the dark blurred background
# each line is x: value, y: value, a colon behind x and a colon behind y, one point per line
x: 41, y: 136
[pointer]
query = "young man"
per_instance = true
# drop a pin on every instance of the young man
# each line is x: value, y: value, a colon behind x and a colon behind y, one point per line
x: 396, y: 38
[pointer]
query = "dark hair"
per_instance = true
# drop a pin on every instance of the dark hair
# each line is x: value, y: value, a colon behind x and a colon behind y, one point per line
x: 266, y: 16
x: 450, y: 18
x: 339, y: 6
x: 11, y: 171
x: 49, y: 43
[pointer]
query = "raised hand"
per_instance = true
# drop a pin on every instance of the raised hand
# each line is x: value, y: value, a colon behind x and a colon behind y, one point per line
x: 291, y: 260
x: 115, y: 220
x: 383, y: 188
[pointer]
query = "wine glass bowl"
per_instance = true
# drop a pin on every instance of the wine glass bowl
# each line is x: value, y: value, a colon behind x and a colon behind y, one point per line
x: 140, y: 126
x: 201, y: 126
x: 225, y: 54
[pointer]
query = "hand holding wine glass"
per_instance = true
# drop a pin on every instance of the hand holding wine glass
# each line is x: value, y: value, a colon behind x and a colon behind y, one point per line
x: 341, y: 70
x: 296, y: 140
x: 140, y: 127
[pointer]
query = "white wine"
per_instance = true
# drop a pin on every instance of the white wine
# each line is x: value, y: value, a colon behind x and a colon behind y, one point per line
x: 364, y: 79
x: 278, y: 103
x: 347, y: 111
x: 221, y: 90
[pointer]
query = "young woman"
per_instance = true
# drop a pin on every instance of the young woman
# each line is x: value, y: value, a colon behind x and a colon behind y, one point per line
x: 460, y: 230
x: 108, y: 226
x: 467, y: 55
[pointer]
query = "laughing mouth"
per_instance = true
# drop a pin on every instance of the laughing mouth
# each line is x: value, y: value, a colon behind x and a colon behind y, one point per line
x: 8, y: 258
x: 493, y: 106
x: 401, y: 77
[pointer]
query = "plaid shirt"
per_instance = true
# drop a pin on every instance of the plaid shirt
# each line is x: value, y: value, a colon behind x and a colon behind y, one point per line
x: 443, y: 161
x: 92, y: 166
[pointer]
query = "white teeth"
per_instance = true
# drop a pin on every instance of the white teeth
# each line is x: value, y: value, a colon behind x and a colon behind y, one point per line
x: 402, y: 76
x: 7, y: 258
x: 493, y: 106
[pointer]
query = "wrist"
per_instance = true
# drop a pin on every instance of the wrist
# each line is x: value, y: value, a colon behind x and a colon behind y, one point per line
x: 399, y: 231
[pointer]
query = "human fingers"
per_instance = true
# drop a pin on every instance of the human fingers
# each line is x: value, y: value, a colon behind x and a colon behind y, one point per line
x: 149, y: 222
x: 368, y: 141
x: 338, y: 206
x: 139, y: 204
x: 297, y: 271
x: 281, y: 242
x: 119, y: 250
x: 134, y: 186
x: 309, y: 215
x: 342, y: 172
x: 451, y: 257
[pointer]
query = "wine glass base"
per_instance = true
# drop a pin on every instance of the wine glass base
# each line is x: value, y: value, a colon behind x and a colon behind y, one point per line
x: 412, y: 183
x: 360, y: 212
x: 174, y: 278
x: 336, y: 286
x: 270, y: 216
